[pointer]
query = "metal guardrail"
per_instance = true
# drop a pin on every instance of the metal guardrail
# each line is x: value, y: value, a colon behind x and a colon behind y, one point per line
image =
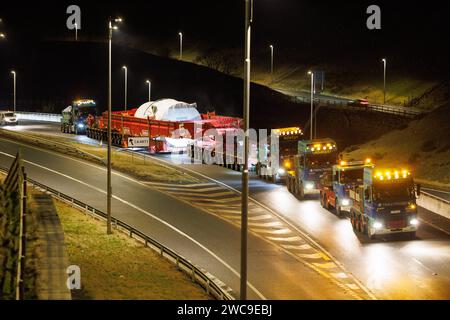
x: 35, y: 116
x: 341, y: 104
x: 211, y: 284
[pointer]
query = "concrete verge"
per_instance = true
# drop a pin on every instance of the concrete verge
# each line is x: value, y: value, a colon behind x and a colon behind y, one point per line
x: 53, y: 261
x: 437, y: 211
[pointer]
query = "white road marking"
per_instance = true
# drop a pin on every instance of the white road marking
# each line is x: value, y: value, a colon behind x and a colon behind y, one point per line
x: 310, y: 255
x: 272, y: 231
x: 297, y: 247
x: 339, y: 275
x: 289, y: 239
x: 327, y: 265
x: 259, y: 294
x: 265, y: 224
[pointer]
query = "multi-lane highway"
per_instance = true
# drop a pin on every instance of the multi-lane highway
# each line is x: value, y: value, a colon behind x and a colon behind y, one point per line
x: 297, y: 250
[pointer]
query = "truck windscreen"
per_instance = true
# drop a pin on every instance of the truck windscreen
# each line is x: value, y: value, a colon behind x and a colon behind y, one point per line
x: 351, y: 176
x: 391, y: 192
x: 320, y: 160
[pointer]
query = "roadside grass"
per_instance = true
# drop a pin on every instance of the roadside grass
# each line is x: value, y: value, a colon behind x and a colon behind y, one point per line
x: 115, y: 267
x: 147, y: 169
x: 423, y: 146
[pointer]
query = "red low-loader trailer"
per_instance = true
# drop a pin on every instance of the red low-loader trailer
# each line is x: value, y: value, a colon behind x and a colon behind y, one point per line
x: 160, y: 133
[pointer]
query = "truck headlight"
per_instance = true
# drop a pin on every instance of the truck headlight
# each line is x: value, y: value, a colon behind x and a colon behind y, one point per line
x: 80, y: 125
x: 345, y: 202
x: 309, y: 185
x: 414, y: 222
x: 281, y: 171
x: 377, y: 225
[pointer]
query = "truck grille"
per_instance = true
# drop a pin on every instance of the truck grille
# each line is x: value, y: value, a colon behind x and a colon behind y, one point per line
x: 396, y: 224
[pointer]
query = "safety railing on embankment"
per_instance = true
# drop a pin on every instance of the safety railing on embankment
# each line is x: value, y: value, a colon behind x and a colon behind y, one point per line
x: 36, y: 116
x: 211, y: 284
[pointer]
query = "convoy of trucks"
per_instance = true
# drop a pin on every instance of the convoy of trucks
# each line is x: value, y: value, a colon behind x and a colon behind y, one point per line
x: 378, y: 201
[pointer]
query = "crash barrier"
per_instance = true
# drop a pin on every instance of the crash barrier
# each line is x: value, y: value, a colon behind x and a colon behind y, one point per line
x: 211, y: 284
x: 342, y: 104
x: 35, y: 116
x: 13, y: 194
x: 434, y: 204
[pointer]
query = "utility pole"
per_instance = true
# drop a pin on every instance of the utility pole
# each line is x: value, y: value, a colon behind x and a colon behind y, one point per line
x: 271, y: 63
x: 149, y: 90
x: 126, y: 85
x: 181, y: 45
x: 244, y: 195
x: 111, y: 27
x: 312, y: 105
x: 76, y: 31
x: 14, y: 88
x: 384, y: 80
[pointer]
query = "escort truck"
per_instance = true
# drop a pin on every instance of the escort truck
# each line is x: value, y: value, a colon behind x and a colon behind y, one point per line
x: 313, y: 158
x: 385, y: 203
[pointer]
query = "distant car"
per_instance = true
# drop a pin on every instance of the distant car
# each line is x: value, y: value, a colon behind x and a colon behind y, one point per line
x: 359, y: 103
x: 8, y: 118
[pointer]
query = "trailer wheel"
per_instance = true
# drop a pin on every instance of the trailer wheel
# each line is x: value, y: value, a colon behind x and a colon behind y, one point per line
x: 300, y: 190
x: 338, y: 208
x: 353, y: 219
x: 322, y: 199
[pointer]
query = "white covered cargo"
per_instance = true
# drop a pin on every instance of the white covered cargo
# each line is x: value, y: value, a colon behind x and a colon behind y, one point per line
x: 168, y: 110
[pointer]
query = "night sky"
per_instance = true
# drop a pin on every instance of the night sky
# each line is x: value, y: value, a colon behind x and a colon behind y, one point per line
x: 329, y: 32
x: 287, y: 23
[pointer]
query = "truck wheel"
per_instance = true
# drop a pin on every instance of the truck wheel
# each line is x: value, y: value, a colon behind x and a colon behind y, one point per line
x: 322, y: 199
x: 353, y: 220
x: 338, y: 208
x: 300, y: 191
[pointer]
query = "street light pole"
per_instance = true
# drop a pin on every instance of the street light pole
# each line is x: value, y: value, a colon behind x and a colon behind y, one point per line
x: 181, y: 45
x: 149, y: 90
x: 312, y: 105
x: 125, y: 86
x: 384, y: 80
x: 76, y: 31
x: 271, y: 62
x: 244, y: 195
x: 14, y: 90
x: 111, y: 27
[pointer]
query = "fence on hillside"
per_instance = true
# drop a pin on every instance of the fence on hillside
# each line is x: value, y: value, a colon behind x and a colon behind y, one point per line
x: 12, y: 232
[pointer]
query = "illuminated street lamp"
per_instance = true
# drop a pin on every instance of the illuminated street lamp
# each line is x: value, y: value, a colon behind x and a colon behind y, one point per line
x: 181, y: 45
x: 14, y: 80
x: 384, y: 79
x: 111, y: 28
x: 76, y: 31
x: 271, y: 62
x: 312, y: 105
x: 149, y: 90
x: 2, y: 36
x: 126, y: 85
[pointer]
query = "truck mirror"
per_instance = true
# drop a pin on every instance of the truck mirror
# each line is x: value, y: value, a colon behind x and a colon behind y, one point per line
x: 418, y: 187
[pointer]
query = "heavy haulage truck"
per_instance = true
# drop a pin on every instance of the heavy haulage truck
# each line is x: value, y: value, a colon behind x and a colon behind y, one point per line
x: 314, y: 157
x: 385, y: 203
x: 75, y: 117
x: 336, y: 184
x: 285, y: 149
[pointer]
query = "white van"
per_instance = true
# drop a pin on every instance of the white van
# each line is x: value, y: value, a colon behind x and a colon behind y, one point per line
x: 8, y: 118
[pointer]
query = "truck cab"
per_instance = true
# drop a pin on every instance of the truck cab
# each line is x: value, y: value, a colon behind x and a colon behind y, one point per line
x: 336, y: 185
x: 75, y: 117
x: 385, y: 203
x: 314, y: 157
x: 285, y: 149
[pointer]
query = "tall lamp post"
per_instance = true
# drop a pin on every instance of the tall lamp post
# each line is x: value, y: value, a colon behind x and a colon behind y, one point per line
x: 180, y: 34
x: 149, y: 90
x: 76, y: 31
x: 271, y: 62
x: 14, y: 86
x: 384, y: 79
x: 246, y: 113
x: 111, y: 28
x: 312, y: 105
x: 125, y: 86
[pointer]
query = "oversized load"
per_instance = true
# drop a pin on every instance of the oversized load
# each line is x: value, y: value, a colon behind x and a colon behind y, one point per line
x: 166, y: 125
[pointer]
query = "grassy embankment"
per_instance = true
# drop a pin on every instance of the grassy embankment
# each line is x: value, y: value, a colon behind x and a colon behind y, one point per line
x: 117, y: 267
x: 423, y: 146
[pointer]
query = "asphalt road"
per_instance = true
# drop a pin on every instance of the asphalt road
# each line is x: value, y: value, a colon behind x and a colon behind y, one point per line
x: 206, y: 240
x: 390, y: 267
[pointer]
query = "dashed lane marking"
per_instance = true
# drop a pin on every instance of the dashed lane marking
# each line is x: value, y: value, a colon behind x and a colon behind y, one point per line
x: 327, y: 265
x: 288, y: 239
x: 272, y: 231
x: 297, y: 247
